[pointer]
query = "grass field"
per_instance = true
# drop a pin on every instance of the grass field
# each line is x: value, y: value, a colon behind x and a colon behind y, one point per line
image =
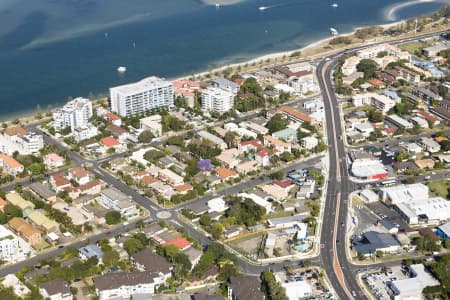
x: 440, y: 187
x: 412, y: 47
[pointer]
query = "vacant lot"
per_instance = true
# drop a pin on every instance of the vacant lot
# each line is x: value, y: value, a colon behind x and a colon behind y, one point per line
x: 440, y: 187
x: 412, y: 47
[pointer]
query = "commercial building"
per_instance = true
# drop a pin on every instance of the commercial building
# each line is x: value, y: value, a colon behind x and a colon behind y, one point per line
x: 364, y: 169
x: 18, y: 139
x: 412, y: 288
x: 218, y: 100
x: 443, y: 231
x: 10, y: 165
x: 153, y: 124
x: 424, y: 211
x: 75, y: 114
x: 139, y: 97
x: 394, y: 195
x: 124, y: 285
x: 370, y: 242
x: 112, y: 198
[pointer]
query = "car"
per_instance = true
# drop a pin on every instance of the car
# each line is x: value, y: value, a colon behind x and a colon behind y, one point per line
x: 60, y: 246
x: 342, y: 224
x: 76, y: 279
x: 109, y: 233
x: 353, y: 293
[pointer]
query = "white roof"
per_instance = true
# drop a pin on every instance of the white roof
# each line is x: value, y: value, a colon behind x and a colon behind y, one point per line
x: 406, y: 192
x: 217, y: 205
x: 141, y: 86
x: 258, y: 200
x: 53, y: 236
x: 436, y: 208
x: 370, y: 195
x: 297, y: 289
x: 367, y: 168
x: 445, y: 228
x: 412, y: 287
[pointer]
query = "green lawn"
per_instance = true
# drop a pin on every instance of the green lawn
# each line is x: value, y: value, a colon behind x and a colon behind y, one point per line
x: 440, y: 187
x: 412, y: 47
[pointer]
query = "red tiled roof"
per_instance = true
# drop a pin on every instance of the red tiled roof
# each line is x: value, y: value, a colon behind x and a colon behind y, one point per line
x: 224, y: 173
x: 255, y: 143
x: 296, y: 114
x: 116, y: 129
x: 263, y: 152
x: 183, y: 188
x: 180, y: 242
x: 284, y: 184
x: 112, y: 117
x: 60, y: 180
x: 11, y: 162
x: 109, y: 141
x: 79, y: 172
x: 427, y: 116
x: 376, y: 82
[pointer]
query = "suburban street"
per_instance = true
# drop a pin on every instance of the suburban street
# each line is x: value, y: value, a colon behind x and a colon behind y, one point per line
x: 333, y: 258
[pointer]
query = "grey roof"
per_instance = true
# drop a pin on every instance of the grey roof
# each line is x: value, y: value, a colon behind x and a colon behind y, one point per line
x: 224, y: 83
x: 116, y: 280
x: 371, y: 241
x: 91, y: 251
x: 153, y: 229
x: 115, y: 194
x: 283, y: 220
x: 445, y: 228
x: 198, y: 208
x: 386, y: 223
x: 151, y: 261
x: 193, y: 253
x: 206, y: 135
x: 83, y: 199
x: 201, y: 296
x: 42, y: 190
x: 55, y: 287
x: 246, y: 288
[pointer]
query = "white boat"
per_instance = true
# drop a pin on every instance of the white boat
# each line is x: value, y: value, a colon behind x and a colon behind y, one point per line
x: 335, y: 5
x: 121, y: 69
x: 217, y: 5
x: 333, y: 31
x: 262, y: 7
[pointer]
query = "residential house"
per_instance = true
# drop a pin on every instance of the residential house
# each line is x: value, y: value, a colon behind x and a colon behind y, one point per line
x: 245, y: 287
x: 277, y: 144
x: 430, y: 145
x: 43, y: 192
x: 25, y: 206
x: 80, y: 175
x: 53, y: 160
x: 28, y: 232
x: 147, y: 260
x: 112, y: 198
x: 56, y: 290
x: 90, y: 251
x: 43, y: 221
x: 10, y: 165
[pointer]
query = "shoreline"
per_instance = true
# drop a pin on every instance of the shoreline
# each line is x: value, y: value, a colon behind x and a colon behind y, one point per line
x: 271, y: 56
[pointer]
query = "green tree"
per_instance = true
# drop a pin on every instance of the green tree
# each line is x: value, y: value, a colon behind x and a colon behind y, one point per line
x: 217, y: 230
x: 271, y: 288
x: 133, y: 245
x: 110, y: 258
x: 368, y: 67
x: 277, y: 123
x: 145, y: 137
x: 112, y: 217
x: 286, y: 156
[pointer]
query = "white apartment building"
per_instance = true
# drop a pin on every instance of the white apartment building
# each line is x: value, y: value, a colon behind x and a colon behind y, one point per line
x: 112, y: 198
x: 309, y: 142
x: 84, y: 132
x: 152, y: 123
x: 349, y: 66
x: 139, y: 97
x: 12, y: 248
x: 74, y: 114
x: 123, y: 285
x: 216, y: 99
x: 303, y: 84
x: 380, y: 102
x: 391, y: 50
x: 23, y: 142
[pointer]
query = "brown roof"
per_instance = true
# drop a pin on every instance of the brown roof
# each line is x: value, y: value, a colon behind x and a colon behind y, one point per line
x: 19, y: 131
x: 23, y: 228
x: 184, y: 187
x: 116, y: 129
x: 147, y: 180
x: 55, y: 287
x: 224, y: 173
x: 116, y: 280
x: 296, y: 114
x: 152, y: 262
x: 60, y: 180
x: 246, y: 288
x: 10, y: 161
x: 79, y: 172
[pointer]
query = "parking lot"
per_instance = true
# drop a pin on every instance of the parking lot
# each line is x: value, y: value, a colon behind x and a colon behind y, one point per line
x: 378, y: 282
x: 383, y: 211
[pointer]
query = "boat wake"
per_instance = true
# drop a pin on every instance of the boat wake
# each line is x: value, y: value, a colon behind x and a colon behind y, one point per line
x: 391, y: 11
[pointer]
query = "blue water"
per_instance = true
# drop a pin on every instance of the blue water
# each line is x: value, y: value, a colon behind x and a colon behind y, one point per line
x: 51, y: 50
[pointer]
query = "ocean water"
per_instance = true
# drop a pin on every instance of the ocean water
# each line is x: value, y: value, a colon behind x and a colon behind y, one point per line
x: 54, y: 49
